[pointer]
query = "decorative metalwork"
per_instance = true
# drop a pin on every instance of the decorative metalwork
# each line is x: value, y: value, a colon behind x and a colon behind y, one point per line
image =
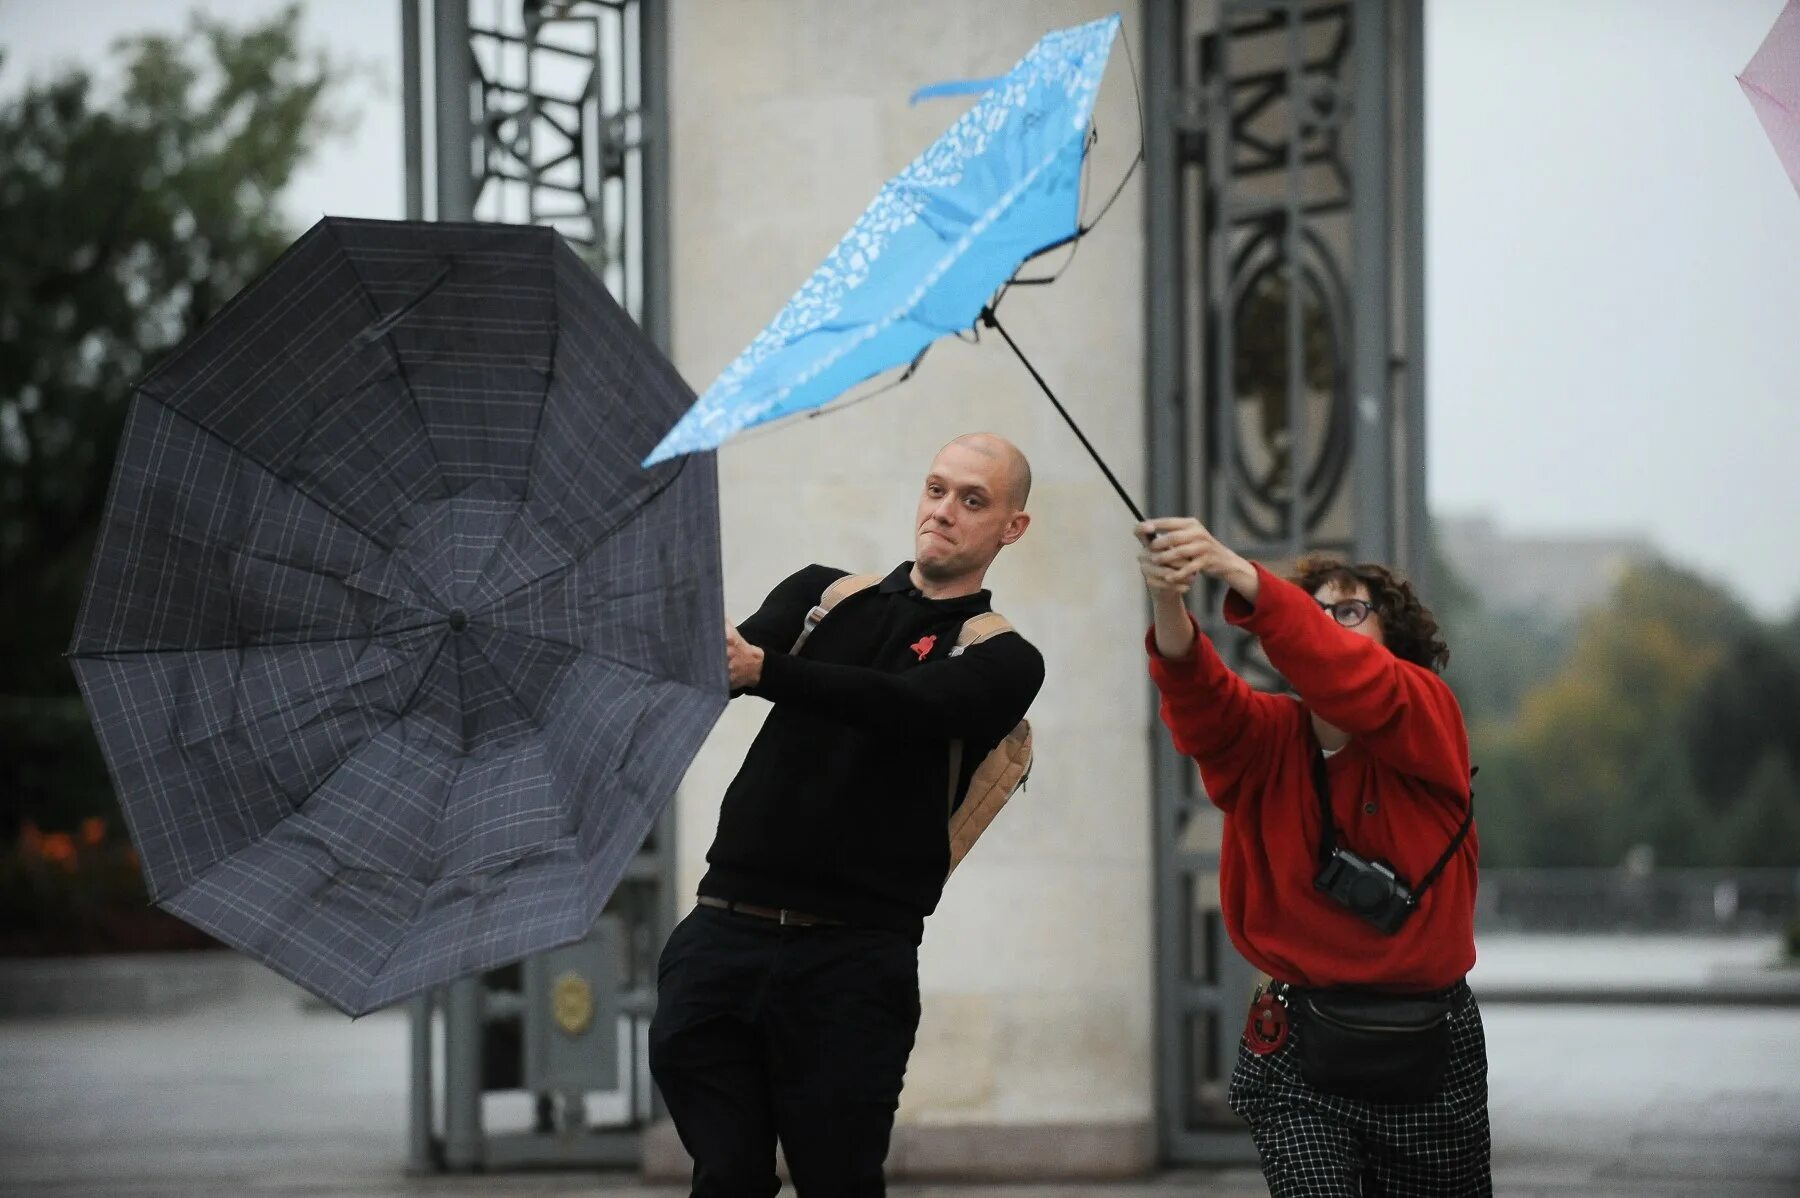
x: 560, y: 116
x: 1272, y: 336
x: 1275, y: 228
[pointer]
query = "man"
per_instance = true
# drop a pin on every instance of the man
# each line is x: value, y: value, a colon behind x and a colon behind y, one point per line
x: 787, y: 1001
x: 1347, y: 871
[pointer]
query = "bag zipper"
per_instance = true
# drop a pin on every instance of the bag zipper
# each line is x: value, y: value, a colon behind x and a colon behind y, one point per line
x: 1369, y: 1027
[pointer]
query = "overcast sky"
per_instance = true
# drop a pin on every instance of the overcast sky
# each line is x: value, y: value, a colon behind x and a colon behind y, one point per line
x: 1613, y: 258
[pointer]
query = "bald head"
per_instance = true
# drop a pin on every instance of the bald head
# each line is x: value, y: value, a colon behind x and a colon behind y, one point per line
x: 1009, y: 457
x: 971, y: 507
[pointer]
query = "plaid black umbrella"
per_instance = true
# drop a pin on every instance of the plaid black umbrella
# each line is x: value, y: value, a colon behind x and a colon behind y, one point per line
x: 393, y: 649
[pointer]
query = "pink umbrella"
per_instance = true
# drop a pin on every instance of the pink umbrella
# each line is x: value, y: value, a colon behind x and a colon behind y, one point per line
x: 1772, y: 81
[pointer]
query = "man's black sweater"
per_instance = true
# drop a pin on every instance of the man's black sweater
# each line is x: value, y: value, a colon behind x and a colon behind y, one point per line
x: 841, y: 808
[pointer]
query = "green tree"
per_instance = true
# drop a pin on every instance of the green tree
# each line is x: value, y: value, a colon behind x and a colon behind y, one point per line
x: 127, y: 217
x: 1763, y: 826
x: 1497, y: 657
x: 1663, y: 808
x: 1503, y: 822
x: 1665, y: 717
x: 1747, y: 709
x: 1596, y: 759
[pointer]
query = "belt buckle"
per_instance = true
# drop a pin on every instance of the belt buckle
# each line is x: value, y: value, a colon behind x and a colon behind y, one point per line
x: 781, y: 917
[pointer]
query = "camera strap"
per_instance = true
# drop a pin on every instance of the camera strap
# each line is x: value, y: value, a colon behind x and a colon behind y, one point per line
x: 1328, y: 829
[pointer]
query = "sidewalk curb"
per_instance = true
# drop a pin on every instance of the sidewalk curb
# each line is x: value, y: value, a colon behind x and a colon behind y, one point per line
x: 119, y: 984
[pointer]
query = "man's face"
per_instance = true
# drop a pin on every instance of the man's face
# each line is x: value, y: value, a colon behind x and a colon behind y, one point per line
x: 1334, y: 592
x: 965, y: 514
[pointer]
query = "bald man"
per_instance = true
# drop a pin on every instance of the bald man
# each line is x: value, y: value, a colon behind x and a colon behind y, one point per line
x: 787, y: 1001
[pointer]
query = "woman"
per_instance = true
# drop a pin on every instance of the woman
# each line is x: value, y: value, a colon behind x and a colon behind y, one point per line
x: 1347, y: 871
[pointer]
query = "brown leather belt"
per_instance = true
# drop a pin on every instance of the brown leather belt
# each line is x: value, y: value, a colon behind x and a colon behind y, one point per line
x: 781, y: 915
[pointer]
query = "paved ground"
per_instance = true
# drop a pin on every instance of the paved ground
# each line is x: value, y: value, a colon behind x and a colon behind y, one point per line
x: 258, y: 1098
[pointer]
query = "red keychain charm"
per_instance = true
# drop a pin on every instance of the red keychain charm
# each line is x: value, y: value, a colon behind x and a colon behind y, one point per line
x: 1267, y: 1028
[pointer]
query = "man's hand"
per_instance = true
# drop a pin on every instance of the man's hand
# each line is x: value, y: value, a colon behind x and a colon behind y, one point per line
x: 743, y: 660
x: 1177, y: 549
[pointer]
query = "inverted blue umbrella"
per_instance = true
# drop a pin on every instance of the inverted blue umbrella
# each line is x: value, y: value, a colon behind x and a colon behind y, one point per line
x: 927, y: 258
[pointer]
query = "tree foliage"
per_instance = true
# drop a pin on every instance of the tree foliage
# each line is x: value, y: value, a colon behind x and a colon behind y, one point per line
x: 1669, y: 717
x: 128, y: 214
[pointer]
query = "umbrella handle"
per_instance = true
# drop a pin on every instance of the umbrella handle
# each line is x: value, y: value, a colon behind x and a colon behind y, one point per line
x: 993, y: 322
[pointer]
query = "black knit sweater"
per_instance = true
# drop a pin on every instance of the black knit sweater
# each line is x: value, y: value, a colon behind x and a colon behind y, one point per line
x: 841, y: 806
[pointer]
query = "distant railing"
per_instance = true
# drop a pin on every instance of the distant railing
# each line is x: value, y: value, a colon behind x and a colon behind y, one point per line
x: 1659, y: 900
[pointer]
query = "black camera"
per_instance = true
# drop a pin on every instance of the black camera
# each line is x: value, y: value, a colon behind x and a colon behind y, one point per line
x: 1369, y: 889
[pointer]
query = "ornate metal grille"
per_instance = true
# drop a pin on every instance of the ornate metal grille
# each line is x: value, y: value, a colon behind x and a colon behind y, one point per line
x: 1276, y: 388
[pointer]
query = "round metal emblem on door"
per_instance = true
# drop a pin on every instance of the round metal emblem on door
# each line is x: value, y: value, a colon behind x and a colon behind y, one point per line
x: 572, y: 1003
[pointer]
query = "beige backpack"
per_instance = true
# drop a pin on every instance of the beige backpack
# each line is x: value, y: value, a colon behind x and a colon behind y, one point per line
x: 1003, y: 771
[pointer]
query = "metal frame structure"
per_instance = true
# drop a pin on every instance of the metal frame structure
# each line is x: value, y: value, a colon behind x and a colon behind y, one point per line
x: 1285, y: 390
x: 548, y: 112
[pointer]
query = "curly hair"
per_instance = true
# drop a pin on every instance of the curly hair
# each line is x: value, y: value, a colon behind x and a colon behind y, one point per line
x: 1408, y: 628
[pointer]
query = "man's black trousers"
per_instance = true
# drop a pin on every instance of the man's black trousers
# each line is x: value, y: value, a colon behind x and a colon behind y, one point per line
x: 802, y: 1033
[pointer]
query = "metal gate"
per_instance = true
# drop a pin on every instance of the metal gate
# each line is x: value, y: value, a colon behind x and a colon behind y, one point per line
x: 1285, y: 332
x: 547, y: 112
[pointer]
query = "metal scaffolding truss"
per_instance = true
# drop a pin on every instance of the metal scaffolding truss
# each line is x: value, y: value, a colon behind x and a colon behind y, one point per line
x: 565, y: 127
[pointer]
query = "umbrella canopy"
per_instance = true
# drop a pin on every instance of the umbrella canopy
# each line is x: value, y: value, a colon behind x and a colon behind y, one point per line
x: 393, y: 649
x: 1772, y: 81
x: 924, y: 259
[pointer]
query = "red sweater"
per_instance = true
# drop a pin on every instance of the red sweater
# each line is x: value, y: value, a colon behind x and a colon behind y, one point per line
x: 1399, y: 791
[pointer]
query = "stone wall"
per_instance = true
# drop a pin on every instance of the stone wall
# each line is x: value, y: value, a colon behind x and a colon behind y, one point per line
x: 787, y: 115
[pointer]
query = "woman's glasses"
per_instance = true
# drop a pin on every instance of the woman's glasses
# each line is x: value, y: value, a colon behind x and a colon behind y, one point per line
x: 1347, y: 612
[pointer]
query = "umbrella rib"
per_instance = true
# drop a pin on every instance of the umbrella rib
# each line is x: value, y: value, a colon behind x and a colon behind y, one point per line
x: 598, y: 541
x: 344, y: 520
x: 584, y: 651
x: 385, y: 324
x: 505, y: 688
x: 462, y: 703
x: 1750, y: 86
x: 780, y: 423
x: 163, y: 402
x: 399, y: 714
x: 234, y: 646
x: 323, y: 782
x: 196, y: 543
x: 291, y: 701
x: 1083, y: 228
x: 537, y: 427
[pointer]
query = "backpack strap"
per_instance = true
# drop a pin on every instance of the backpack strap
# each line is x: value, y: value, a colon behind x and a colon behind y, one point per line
x: 975, y: 629
x: 835, y: 594
x: 984, y: 627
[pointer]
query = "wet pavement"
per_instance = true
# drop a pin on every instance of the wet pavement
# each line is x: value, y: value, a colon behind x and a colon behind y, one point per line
x: 261, y: 1095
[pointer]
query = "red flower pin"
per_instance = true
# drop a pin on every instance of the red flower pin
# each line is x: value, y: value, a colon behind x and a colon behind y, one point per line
x: 924, y: 645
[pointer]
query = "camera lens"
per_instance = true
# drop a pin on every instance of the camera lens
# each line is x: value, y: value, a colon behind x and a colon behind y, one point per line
x: 1368, y: 892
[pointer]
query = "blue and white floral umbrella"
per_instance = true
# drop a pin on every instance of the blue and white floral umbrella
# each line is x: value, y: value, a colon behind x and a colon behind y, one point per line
x: 1002, y: 185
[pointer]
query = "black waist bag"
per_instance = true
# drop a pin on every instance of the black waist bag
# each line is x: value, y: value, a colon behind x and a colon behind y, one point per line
x: 1374, y: 1047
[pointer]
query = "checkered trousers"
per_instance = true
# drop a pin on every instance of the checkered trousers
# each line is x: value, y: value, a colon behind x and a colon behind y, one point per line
x: 1323, y: 1146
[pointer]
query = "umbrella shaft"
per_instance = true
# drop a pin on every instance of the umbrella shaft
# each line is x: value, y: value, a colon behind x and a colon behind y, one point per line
x: 988, y: 318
